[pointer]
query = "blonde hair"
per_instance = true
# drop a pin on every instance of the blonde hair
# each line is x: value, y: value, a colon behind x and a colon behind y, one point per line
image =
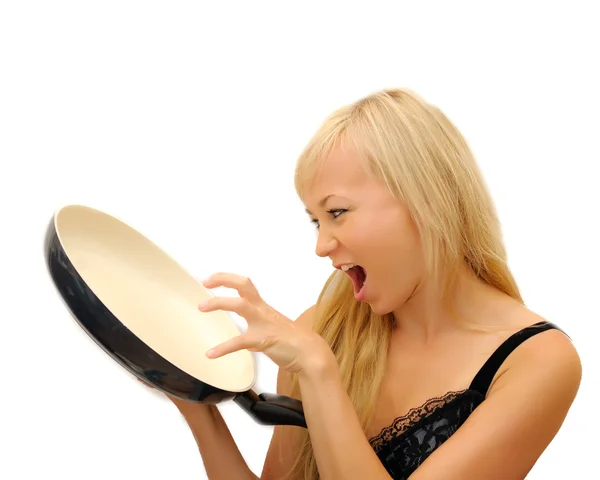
x: 426, y: 164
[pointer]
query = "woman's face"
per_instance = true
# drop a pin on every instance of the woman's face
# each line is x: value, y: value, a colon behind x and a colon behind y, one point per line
x: 359, y: 222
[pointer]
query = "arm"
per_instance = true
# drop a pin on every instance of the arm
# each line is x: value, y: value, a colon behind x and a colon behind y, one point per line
x: 507, y: 433
x: 501, y: 440
x: 221, y: 456
x: 525, y: 408
x: 285, y: 441
x: 340, y: 446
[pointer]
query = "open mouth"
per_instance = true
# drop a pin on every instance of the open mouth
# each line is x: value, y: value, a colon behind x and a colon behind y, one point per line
x: 358, y: 276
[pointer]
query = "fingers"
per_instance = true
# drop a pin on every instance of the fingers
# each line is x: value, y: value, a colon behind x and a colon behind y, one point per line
x: 241, y: 342
x: 248, y: 305
x: 243, y: 285
x: 238, y: 305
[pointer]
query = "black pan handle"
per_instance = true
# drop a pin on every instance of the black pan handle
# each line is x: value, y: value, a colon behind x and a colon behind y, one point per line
x: 271, y: 408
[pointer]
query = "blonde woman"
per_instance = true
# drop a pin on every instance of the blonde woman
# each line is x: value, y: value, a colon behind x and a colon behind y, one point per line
x: 419, y: 359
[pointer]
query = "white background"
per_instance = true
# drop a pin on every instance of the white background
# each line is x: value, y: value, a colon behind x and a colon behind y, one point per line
x: 186, y: 121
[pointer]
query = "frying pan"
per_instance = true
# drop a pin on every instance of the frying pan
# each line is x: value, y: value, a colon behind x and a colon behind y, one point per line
x: 140, y: 307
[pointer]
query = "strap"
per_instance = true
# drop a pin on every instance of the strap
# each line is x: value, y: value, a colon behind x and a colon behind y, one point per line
x: 484, y: 377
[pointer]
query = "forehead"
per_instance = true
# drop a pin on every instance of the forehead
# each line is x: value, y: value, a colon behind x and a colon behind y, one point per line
x: 340, y: 172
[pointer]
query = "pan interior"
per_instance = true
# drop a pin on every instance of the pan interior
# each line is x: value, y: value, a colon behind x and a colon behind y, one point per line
x: 153, y: 296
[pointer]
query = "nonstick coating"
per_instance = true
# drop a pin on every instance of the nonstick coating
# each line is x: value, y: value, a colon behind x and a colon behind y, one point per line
x: 139, y: 305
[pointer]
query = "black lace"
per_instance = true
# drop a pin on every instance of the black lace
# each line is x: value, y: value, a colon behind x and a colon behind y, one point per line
x: 411, y: 438
x: 403, y: 423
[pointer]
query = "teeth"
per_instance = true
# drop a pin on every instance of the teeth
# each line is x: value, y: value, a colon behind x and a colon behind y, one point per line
x: 345, y: 268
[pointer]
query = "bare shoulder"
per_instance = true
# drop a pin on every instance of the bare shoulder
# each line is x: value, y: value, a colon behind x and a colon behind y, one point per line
x: 546, y: 367
x: 547, y: 356
x: 548, y: 359
x: 523, y: 411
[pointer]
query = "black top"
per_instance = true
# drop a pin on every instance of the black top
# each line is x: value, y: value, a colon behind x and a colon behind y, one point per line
x: 411, y: 438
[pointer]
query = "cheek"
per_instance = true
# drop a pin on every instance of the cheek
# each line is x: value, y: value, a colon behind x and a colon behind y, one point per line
x: 396, y: 233
x: 385, y: 242
x: 396, y: 246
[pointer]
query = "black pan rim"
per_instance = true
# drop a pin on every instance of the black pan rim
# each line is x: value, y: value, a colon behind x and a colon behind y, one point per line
x: 67, y: 279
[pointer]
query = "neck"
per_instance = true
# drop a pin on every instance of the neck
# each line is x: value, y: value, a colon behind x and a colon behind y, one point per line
x: 425, y: 316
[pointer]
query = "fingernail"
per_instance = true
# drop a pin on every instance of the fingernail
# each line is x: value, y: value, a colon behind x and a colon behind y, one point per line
x: 202, y: 306
x: 210, y: 353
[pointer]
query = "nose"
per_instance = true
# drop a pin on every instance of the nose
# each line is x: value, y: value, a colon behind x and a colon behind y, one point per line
x: 325, y: 244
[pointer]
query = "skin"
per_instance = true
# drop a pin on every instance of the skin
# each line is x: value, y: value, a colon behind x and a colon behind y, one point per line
x: 361, y: 223
x: 429, y: 355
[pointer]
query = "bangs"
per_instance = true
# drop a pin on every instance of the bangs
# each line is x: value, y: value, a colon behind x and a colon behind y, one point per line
x: 386, y: 139
x: 331, y: 135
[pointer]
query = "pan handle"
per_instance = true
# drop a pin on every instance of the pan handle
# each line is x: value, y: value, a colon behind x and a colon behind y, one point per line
x: 271, y: 408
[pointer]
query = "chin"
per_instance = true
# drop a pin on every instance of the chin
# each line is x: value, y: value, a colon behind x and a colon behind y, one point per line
x: 380, y: 308
x: 386, y: 305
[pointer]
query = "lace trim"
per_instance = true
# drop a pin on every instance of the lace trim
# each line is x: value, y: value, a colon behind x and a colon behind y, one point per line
x: 403, y: 423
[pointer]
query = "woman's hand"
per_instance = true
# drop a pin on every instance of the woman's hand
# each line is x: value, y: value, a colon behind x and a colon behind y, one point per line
x: 292, y: 348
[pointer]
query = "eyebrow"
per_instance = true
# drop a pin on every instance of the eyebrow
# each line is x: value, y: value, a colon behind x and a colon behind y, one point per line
x: 322, y: 202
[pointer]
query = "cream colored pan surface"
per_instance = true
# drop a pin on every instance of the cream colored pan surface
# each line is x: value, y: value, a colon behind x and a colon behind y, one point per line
x: 152, y: 295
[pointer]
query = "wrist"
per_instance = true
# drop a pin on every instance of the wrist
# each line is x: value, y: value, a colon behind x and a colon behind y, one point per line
x: 321, y: 365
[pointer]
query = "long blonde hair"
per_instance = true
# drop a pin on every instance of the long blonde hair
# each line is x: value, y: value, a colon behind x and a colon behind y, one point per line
x: 427, y: 165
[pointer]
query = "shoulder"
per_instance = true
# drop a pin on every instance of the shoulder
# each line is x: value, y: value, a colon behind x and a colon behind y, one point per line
x: 523, y: 411
x: 546, y: 358
x: 534, y: 393
x: 547, y: 362
x: 546, y: 366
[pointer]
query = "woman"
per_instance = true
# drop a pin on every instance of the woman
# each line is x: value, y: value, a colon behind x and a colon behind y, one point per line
x: 419, y: 358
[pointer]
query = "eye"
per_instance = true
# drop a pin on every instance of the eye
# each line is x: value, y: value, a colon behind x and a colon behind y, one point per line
x: 334, y: 213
